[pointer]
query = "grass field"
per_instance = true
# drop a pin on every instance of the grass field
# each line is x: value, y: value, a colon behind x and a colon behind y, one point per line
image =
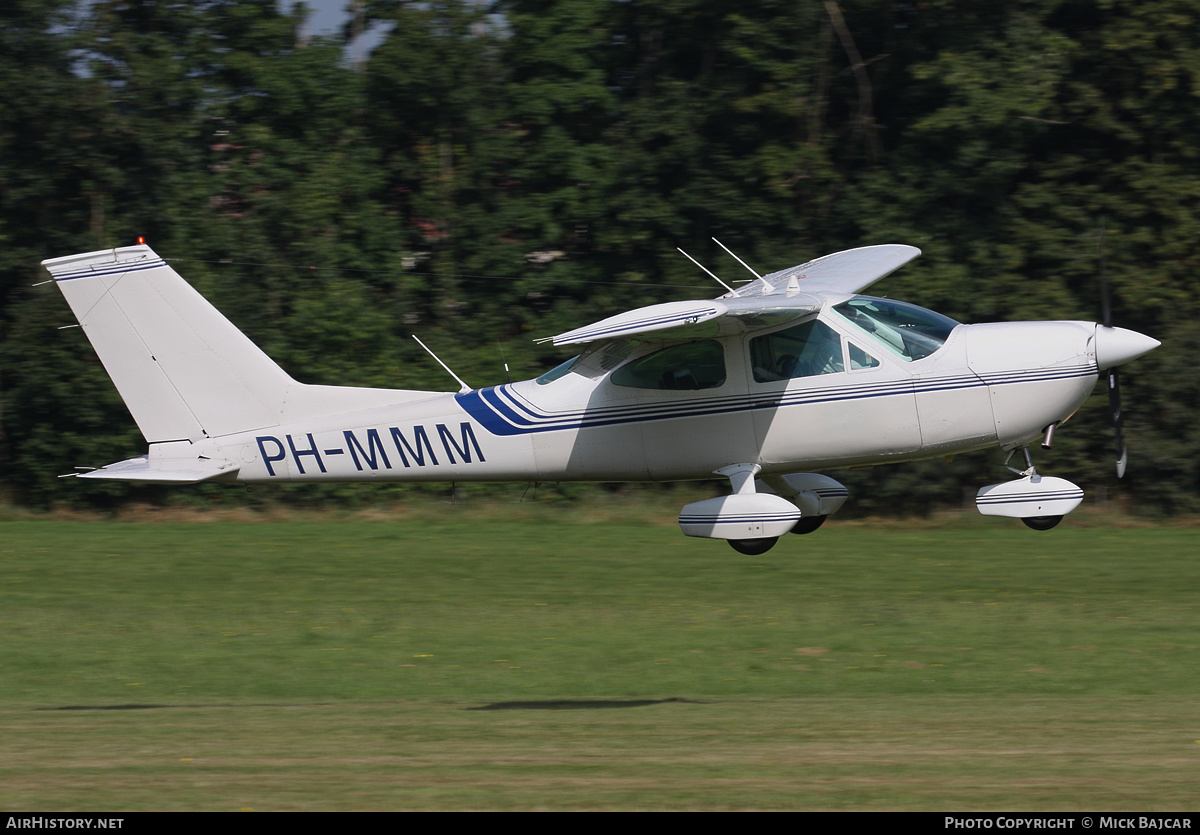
x: 491, y: 661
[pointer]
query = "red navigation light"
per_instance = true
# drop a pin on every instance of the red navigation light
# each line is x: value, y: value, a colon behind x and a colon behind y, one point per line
x: 141, y: 240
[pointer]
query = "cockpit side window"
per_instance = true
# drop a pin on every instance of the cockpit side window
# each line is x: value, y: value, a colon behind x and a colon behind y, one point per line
x: 861, y: 359
x: 805, y: 350
x: 687, y: 367
x: 908, y: 331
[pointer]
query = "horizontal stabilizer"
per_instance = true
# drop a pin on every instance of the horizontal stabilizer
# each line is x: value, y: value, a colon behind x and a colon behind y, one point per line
x: 169, y: 471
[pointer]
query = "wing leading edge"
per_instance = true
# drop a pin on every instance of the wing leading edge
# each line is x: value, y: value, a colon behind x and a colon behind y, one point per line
x: 671, y: 320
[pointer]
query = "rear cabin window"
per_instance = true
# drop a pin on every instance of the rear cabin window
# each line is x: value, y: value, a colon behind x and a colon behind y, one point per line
x: 687, y: 367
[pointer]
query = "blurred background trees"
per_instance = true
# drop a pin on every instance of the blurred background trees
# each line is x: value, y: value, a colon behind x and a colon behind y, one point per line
x: 492, y: 173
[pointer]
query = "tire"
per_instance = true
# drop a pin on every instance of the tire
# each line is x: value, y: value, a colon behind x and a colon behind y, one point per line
x: 753, y: 547
x: 1041, y: 523
x: 809, y: 524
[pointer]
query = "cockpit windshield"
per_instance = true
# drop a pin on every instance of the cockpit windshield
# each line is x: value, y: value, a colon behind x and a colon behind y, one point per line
x: 908, y: 331
x: 556, y: 372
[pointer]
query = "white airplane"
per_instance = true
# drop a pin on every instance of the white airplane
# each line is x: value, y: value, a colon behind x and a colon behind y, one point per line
x: 789, y: 373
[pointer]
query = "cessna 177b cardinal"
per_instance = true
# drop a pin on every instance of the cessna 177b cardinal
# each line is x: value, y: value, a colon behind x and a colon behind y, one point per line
x: 792, y: 372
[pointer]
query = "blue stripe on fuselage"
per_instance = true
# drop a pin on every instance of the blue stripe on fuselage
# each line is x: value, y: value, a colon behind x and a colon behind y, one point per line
x: 501, y: 411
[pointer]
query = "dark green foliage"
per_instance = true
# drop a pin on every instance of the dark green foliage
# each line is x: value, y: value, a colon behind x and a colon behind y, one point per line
x: 488, y: 175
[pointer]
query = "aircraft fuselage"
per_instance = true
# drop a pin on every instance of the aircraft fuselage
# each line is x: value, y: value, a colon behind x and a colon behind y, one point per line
x: 986, y: 385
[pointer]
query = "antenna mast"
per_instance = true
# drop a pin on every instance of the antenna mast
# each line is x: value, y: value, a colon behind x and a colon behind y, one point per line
x: 739, y: 260
x: 707, y: 270
x: 463, y: 387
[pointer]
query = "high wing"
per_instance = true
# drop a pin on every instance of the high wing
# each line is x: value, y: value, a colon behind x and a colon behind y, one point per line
x: 849, y: 271
x: 671, y: 320
x: 774, y: 299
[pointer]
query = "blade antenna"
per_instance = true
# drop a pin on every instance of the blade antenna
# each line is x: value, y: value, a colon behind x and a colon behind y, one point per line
x: 504, y: 359
x: 739, y: 260
x: 463, y: 387
x: 707, y: 270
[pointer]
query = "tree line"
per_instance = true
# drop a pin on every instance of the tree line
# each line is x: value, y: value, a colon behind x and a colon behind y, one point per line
x: 489, y: 174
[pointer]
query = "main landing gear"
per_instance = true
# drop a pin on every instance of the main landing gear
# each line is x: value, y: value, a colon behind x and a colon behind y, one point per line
x: 754, y: 547
x: 759, y: 512
x: 808, y: 524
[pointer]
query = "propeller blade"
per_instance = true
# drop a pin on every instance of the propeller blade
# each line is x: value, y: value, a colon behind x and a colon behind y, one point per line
x: 1105, y: 297
x: 1114, y: 409
x: 1114, y: 383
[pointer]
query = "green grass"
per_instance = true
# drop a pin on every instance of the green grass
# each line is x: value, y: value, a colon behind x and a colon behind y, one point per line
x: 342, y: 664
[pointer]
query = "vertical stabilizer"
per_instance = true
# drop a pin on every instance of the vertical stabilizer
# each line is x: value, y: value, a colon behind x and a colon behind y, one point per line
x: 183, y: 369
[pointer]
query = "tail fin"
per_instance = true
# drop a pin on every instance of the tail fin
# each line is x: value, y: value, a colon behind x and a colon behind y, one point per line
x: 182, y: 368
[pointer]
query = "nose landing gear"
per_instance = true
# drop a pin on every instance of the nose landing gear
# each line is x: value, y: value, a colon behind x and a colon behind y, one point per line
x: 1038, y: 501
